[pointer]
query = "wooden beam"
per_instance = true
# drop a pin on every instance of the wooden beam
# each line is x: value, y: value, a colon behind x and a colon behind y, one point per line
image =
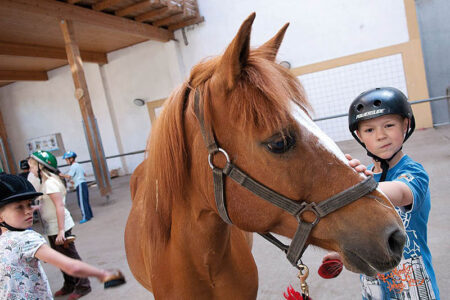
x: 49, y: 52
x: 63, y: 11
x: 133, y: 8
x: 23, y: 75
x: 151, y: 14
x: 189, y: 22
x: 84, y: 100
x: 104, y: 4
x: 5, y: 150
x: 169, y: 20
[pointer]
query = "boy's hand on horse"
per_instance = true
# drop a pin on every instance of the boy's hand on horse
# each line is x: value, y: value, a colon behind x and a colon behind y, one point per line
x: 357, y: 165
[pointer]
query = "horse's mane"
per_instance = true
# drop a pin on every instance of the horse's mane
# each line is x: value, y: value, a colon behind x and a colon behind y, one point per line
x: 260, y: 100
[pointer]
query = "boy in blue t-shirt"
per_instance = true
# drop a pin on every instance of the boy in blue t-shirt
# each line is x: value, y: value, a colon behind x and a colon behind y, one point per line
x: 76, y: 173
x: 381, y: 120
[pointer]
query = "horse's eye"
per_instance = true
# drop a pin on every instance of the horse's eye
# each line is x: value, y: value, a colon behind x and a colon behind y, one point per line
x: 281, y: 145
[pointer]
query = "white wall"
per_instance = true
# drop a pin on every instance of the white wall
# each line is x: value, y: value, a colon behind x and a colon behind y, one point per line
x: 319, y: 30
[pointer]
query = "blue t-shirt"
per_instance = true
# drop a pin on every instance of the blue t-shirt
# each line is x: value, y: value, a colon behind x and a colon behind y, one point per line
x: 77, y: 173
x: 414, y: 277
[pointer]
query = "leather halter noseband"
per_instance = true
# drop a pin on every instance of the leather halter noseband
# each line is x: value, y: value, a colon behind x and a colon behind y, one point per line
x: 295, y: 208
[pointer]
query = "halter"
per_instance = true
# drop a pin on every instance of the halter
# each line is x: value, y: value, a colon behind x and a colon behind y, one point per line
x: 298, y: 245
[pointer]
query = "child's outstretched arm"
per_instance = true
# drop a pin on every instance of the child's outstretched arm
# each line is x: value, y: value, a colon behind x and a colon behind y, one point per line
x: 397, y: 192
x: 74, y: 267
x: 65, y: 175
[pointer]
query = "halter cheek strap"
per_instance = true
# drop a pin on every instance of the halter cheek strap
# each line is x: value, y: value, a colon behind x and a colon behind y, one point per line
x: 295, y: 208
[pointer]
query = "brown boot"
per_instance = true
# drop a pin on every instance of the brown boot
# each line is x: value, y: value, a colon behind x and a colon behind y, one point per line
x: 77, y: 295
x: 62, y: 292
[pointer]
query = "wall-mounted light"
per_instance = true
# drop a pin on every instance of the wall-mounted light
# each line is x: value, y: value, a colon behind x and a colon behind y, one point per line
x: 285, y: 64
x: 139, y: 102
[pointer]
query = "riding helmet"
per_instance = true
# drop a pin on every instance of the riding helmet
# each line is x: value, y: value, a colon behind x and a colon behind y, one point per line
x: 46, y: 158
x: 15, y: 188
x: 378, y: 102
x: 69, y: 154
x: 24, y: 164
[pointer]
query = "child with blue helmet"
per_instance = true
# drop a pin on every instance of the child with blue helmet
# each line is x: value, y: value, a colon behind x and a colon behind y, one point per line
x: 76, y: 173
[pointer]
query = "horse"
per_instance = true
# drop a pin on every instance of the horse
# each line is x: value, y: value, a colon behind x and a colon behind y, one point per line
x: 178, y: 242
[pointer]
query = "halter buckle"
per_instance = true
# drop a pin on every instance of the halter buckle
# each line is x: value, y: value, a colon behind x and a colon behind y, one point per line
x: 211, y: 155
x: 312, y: 207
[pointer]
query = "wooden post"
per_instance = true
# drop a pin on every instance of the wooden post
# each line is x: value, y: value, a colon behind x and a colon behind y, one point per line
x: 82, y: 95
x: 5, y: 151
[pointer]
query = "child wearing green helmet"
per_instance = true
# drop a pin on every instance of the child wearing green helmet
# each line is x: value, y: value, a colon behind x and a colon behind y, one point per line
x: 381, y: 120
x: 22, y: 249
x: 57, y: 221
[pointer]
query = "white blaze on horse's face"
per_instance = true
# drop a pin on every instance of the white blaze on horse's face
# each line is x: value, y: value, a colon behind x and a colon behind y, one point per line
x: 304, y: 120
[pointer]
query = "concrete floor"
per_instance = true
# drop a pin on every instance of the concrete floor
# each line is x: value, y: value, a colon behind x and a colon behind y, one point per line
x: 100, y: 241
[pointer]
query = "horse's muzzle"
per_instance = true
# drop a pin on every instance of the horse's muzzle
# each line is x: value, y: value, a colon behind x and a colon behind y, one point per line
x: 380, y: 258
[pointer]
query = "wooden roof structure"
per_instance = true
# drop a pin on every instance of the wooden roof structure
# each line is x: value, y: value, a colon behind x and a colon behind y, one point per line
x: 31, y: 41
x: 40, y: 35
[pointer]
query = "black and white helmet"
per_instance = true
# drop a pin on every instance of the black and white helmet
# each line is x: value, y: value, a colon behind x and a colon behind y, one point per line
x: 378, y: 102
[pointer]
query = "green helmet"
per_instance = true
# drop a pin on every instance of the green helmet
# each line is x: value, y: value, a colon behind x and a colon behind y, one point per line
x: 46, y: 158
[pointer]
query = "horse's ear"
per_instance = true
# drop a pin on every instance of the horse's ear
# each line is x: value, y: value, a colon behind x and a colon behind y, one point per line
x: 270, y: 48
x: 236, y: 55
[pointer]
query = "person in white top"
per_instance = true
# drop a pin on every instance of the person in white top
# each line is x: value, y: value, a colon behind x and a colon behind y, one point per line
x: 56, y: 219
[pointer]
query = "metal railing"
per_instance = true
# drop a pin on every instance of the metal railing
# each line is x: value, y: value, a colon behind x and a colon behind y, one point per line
x: 411, y: 102
x: 108, y: 157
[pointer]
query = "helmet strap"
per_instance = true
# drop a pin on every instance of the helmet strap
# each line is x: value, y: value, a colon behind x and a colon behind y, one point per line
x: 384, y: 163
x: 9, y: 227
x: 39, y: 174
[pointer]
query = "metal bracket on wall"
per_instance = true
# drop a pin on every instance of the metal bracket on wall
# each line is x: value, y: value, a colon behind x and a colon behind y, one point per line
x: 183, y: 32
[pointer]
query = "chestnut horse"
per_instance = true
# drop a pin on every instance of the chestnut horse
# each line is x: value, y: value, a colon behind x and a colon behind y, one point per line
x: 177, y: 244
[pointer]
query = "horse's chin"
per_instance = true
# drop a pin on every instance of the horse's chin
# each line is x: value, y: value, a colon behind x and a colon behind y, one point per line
x: 357, y: 264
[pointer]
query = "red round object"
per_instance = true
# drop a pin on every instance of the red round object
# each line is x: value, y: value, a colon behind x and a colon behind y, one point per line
x: 330, y: 268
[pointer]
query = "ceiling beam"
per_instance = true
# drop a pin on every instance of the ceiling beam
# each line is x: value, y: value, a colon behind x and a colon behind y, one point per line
x: 61, y: 11
x: 23, y: 76
x: 150, y: 14
x: 49, y: 52
x: 168, y: 20
x: 104, y: 4
x: 133, y: 8
x: 189, y: 22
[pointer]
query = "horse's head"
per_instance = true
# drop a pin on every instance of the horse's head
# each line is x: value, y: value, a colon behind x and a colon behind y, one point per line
x: 259, y: 114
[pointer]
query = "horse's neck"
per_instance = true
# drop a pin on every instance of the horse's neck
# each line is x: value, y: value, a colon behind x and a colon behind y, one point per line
x: 203, y: 232
x: 214, y: 257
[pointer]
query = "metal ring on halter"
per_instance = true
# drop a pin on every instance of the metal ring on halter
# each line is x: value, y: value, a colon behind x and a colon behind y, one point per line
x: 210, y: 156
x: 309, y: 207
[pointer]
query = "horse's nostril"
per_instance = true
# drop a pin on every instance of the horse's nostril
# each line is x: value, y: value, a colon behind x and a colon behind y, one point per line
x: 396, y: 242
